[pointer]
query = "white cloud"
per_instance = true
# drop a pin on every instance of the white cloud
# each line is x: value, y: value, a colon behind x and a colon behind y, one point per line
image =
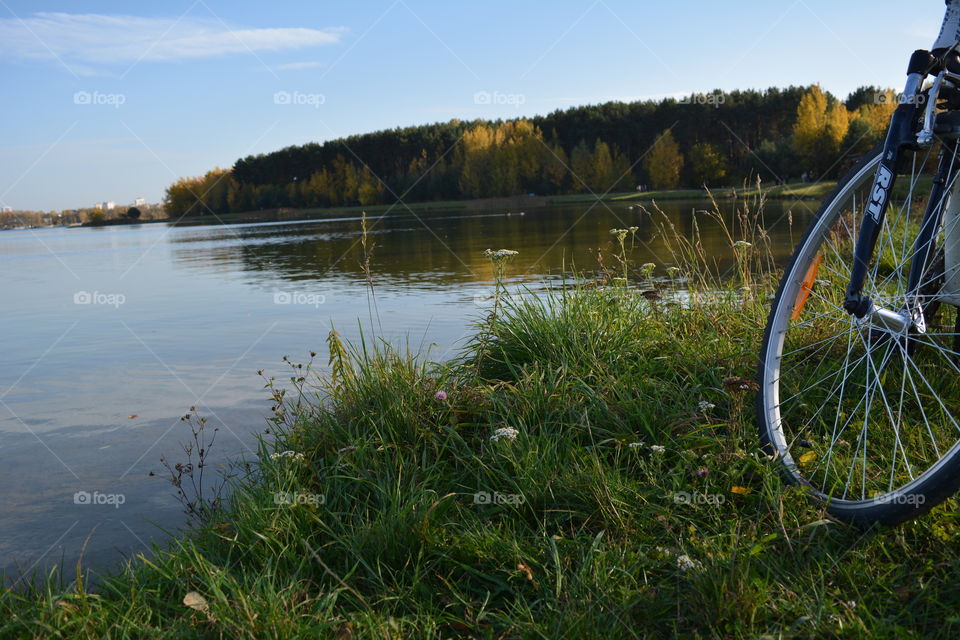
x: 295, y: 66
x: 82, y: 40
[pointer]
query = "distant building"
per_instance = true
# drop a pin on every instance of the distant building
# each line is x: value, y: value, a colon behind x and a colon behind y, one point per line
x: 7, y: 209
x: 98, y: 206
x: 110, y: 205
x: 139, y: 202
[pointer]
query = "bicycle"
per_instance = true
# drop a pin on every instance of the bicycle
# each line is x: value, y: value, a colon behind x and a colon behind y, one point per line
x: 859, y: 371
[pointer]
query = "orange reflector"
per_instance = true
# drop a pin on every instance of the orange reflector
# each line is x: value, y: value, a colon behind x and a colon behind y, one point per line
x: 806, y: 287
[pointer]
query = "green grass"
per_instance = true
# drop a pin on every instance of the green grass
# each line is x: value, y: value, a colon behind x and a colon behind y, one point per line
x: 792, y: 191
x: 583, y: 535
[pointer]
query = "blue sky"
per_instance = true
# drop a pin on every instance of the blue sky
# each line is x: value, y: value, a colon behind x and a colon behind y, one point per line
x: 115, y: 100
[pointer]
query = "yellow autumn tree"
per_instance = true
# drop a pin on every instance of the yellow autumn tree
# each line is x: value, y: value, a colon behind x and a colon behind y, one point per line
x: 837, y: 124
x: 707, y: 164
x: 475, y: 159
x: 878, y: 114
x: 370, y: 190
x: 602, y: 176
x: 811, y: 122
x: 202, y: 195
x: 498, y: 160
x: 820, y: 129
x: 664, y: 162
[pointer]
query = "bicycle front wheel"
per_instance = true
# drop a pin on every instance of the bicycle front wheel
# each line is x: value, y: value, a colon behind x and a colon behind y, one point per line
x: 865, y: 412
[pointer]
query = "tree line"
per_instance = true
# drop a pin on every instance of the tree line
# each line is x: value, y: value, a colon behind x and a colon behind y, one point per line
x: 28, y: 218
x: 710, y: 140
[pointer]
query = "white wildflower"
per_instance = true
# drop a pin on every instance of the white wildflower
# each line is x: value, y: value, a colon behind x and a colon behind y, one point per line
x: 299, y: 457
x: 658, y: 448
x: 634, y: 445
x: 705, y: 406
x: 741, y: 244
x: 500, y: 254
x: 505, y: 433
x: 684, y: 563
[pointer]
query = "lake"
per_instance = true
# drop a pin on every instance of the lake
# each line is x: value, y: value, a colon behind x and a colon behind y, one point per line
x: 113, y: 333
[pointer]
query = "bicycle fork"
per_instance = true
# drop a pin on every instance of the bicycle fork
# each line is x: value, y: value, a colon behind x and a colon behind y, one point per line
x: 900, y: 136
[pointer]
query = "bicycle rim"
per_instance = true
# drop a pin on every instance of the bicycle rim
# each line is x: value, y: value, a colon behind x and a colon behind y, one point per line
x: 865, y: 415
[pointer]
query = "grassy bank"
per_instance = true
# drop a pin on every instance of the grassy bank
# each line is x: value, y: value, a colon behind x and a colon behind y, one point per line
x: 792, y: 191
x: 515, y: 203
x: 797, y: 191
x: 588, y: 468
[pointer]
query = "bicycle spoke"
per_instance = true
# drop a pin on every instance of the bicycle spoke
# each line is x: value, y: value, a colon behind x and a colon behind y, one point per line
x: 880, y: 385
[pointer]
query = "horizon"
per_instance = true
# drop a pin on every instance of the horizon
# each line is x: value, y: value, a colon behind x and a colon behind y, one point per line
x: 108, y: 105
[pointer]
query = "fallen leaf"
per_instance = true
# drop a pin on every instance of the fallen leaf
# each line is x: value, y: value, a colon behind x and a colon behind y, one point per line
x: 522, y: 566
x: 743, y: 491
x: 196, y: 601
x: 132, y: 416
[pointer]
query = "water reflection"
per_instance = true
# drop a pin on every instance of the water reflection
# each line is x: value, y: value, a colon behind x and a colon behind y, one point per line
x: 438, y: 249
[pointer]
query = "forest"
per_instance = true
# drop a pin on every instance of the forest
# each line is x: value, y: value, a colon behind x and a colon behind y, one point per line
x: 702, y: 140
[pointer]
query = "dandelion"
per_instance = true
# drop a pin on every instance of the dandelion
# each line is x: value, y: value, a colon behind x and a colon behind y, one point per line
x: 684, y: 563
x: 504, y: 433
x: 441, y: 396
x: 658, y: 448
x: 299, y: 457
x: 705, y: 406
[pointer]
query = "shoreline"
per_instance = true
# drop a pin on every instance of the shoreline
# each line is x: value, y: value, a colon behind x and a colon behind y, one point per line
x: 792, y: 191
